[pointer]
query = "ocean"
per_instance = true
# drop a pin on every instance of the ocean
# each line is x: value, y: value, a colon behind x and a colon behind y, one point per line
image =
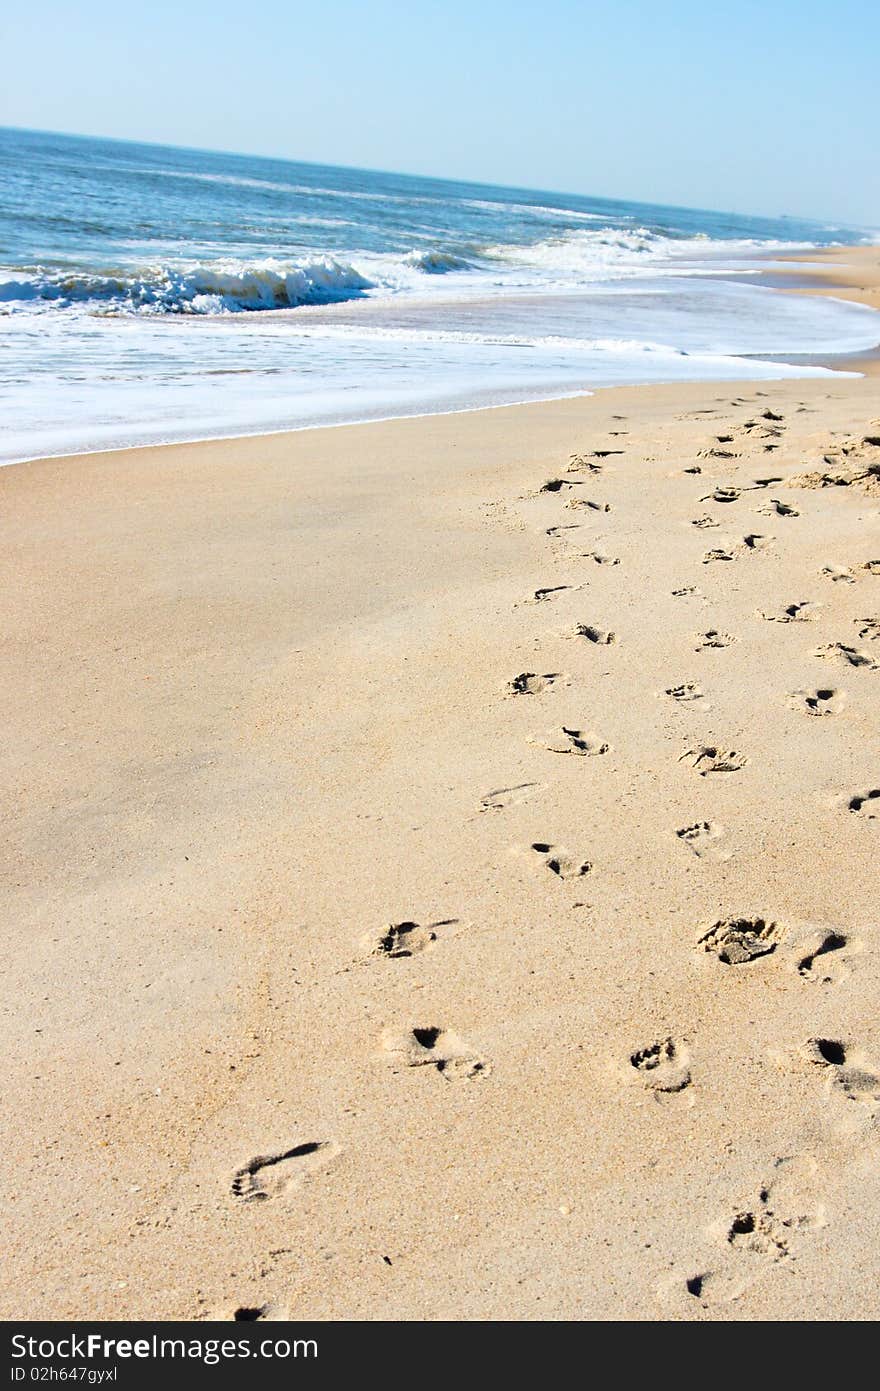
x: 152, y: 294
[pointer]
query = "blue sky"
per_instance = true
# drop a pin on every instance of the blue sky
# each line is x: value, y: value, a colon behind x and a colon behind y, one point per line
x: 755, y: 107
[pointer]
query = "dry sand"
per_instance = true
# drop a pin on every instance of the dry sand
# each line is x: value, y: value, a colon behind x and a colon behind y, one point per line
x: 348, y: 980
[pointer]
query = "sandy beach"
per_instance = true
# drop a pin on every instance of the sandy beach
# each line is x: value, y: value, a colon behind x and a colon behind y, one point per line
x: 440, y: 874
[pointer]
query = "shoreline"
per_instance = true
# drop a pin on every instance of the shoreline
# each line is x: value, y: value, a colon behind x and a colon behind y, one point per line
x: 440, y: 875
x: 813, y: 282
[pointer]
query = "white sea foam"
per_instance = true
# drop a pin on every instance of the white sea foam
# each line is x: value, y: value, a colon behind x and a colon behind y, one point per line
x: 198, y: 289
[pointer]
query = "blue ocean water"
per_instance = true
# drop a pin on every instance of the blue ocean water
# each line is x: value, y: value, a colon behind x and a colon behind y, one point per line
x: 150, y: 293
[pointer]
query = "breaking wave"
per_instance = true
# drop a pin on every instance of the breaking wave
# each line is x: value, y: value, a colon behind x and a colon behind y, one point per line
x: 200, y: 289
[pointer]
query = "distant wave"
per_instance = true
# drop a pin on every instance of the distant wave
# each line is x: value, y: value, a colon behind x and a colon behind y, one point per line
x: 200, y: 289
x: 437, y: 262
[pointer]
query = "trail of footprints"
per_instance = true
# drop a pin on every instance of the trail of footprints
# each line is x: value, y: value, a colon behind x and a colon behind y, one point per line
x: 783, y: 1209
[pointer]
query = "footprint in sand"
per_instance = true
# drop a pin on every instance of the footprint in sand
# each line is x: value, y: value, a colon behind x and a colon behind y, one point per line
x: 705, y: 523
x: 560, y: 861
x: 868, y: 628
x: 590, y: 503
x: 849, y: 656
x: 841, y: 574
x: 714, y: 452
x: 502, y: 797
x: 428, y: 1045
x: 557, y: 530
x: 541, y: 596
x: 819, y: 954
x: 688, y: 690
x: 708, y: 759
x: 775, y: 508
x: 824, y: 700
x: 722, y: 495
x: 688, y: 591
x: 398, y: 940
x: 713, y: 638
x: 533, y: 683
x: 767, y: 1231
x: 866, y: 804
x: 718, y: 553
x: 804, y: 612
x: 663, y: 1067
x: 599, y: 559
x: 845, y: 1069
x: 592, y: 463
x: 704, y: 839
x: 737, y: 941
x: 272, y: 1175
x: 574, y: 741
x: 555, y: 485
x: 593, y: 634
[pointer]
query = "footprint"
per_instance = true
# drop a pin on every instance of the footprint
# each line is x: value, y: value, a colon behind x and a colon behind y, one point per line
x: 823, y: 701
x: 689, y: 591
x: 430, y: 1046
x: 397, y: 940
x: 591, y: 503
x: 593, y: 634
x: 532, y: 683
x: 556, y: 530
x: 540, y: 596
x: 756, y: 1237
x: 702, y: 838
x: 870, y: 628
x: 502, y: 797
x: 722, y: 495
x: 866, y: 804
x: 803, y: 612
x: 812, y: 953
x: 756, y: 542
x: 841, y: 574
x: 708, y: 759
x: 557, y: 859
x: 850, y: 656
x: 717, y: 554
x: 736, y: 941
x: 663, y: 1066
x: 555, y: 485
x: 714, y: 638
x: 775, y: 508
x: 272, y: 1175
x: 689, y: 690
x: 600, y: 559
x: 845, y: 1070
x: 576, y: 741
x: 705, y: 523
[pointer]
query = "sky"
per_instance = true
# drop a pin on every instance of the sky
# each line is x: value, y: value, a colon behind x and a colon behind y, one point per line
x: 758, y: 106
